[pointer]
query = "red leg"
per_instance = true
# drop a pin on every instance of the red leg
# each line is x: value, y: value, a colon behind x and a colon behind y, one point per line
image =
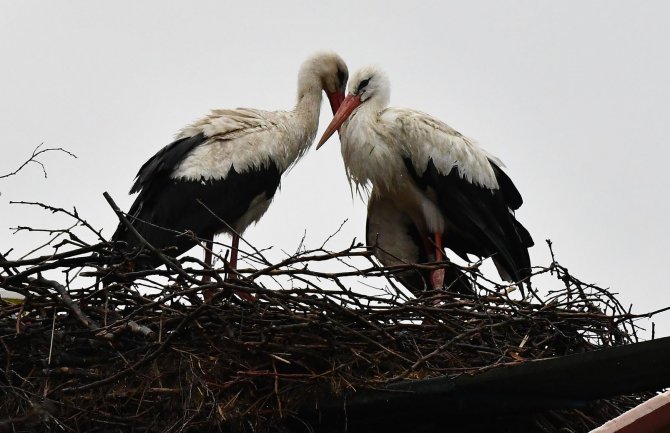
x: 208, y: 294
x: 437, y: 276
x: 233, y: 257
x: 438, y: 246
x: 208, y: 259
x: 234, y: 248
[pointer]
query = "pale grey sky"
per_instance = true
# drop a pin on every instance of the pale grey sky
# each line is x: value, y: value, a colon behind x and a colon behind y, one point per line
x: 573, y: 96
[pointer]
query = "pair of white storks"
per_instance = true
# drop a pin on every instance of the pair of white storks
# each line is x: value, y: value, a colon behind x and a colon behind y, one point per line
x: 431, y: 187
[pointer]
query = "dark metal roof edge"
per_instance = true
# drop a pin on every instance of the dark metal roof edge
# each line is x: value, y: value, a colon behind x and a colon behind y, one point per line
x: 564, y: 381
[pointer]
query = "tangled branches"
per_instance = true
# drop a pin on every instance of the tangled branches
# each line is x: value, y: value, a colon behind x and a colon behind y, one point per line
x: 96, y: 346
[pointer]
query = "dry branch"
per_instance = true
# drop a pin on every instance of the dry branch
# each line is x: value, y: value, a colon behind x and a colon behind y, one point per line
x: 33, y: 159
x: 122, y: 355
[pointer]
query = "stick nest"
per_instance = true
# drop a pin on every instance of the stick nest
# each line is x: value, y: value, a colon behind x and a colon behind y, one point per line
x: 141, y: 351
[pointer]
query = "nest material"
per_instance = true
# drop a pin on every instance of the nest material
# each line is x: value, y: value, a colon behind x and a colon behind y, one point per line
x: 117, y: 358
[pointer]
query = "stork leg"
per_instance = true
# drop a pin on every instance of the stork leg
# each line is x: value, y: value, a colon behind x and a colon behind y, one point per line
x: 233, y: 258
x: 208, y: 294
x: 437, y: 275
x: 208, y: 258
x: 232, y: 268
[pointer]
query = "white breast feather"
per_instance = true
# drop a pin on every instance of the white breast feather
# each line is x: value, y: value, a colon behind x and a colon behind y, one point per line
x: 368, y: 157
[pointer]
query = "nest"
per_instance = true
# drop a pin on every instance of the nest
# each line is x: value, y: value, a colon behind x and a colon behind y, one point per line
x: 145, y: 353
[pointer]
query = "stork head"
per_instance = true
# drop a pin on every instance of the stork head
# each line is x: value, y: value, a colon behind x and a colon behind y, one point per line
x: 327, y: 70
x: 369, y: 86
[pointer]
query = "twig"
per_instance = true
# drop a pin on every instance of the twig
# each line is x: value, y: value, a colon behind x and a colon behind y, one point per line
x: 67, y: 300
x: 33, y: 159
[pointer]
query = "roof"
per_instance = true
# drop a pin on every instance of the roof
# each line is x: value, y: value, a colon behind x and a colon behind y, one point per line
x: 498, y: 396
x: 651, y: 416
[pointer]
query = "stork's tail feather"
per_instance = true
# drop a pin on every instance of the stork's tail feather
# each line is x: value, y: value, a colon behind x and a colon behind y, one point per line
x: 513, y: 262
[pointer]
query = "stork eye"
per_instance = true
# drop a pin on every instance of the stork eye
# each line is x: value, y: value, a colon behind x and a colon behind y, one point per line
x: 362, y: 85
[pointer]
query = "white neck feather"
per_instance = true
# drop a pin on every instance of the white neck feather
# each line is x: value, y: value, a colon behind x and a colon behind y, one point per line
x: 369, y: 158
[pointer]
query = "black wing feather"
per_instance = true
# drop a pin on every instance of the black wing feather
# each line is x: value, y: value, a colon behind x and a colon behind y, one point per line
x: 166, y: 208
x: 160, y: 166
x: 507, y: 187
x: 480, y: 221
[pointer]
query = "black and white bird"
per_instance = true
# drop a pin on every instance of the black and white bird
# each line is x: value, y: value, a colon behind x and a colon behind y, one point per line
x: 222, y: 171
x: 454, y: 192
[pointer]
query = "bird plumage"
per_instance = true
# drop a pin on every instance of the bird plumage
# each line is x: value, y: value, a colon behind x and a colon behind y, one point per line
x: 222, y: 171
x: 444, y: 182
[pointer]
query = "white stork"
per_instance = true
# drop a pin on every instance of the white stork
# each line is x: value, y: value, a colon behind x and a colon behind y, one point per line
x: 222, y: 171
x: 453, y: 191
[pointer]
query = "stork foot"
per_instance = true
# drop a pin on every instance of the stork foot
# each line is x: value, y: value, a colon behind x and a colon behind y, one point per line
x: 234, y: 279
x: 437, y: 279
x: 208, y: 294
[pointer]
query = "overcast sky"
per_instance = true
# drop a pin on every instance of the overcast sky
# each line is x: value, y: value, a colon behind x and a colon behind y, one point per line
x: 574, y: 96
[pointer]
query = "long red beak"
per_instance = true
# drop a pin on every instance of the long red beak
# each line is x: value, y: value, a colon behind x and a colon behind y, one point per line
x: 335, y: 99
x: 348, y: 106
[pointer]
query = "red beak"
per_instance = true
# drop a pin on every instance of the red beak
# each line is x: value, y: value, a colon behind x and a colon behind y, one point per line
x: 335, y: 99
x: 348, y: 106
